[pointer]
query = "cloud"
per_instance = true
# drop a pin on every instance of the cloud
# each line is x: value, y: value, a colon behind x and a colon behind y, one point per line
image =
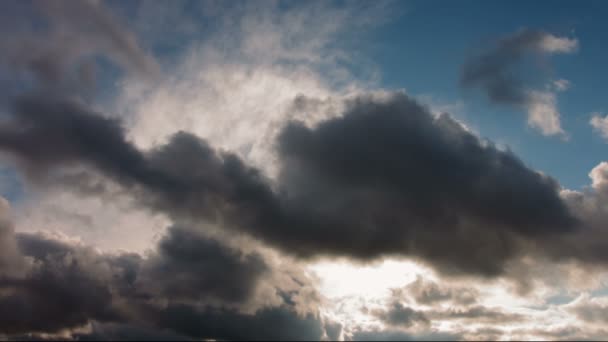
x: 11, y: 262
x: 267, y: 324
x: 476, y: 314
x: 565, y: 332
x: 90, y: 20
x: 413, y: 188
x: 355, y: 175
x: 201, y: 270
x: 561, y: 85
x: 399, y: 211
x: 428, y: 292
x: 235, y: 81
x: 399, y: 315
x: 599, y: 178
x: 240, y: 294
x: 67, y: 286
x: 62, y: 57
x: 124, y: 332
x: 599, y: 124
x: 63, y: 288
x: 589, y: 205
x: 77, y: 134
x: 430, y: 305
x: 399, y: 335
x: 592, y: 310
x: 498, y: 72
x: 552, y: 44
x: 543, y: 114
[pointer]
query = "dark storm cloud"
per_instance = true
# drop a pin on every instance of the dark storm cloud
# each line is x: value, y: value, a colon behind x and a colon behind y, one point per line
x: 385, y: 178
x: 267, y: 324
x: 66, y: 286
x: 60, y: 290
x: 202, y: 269
x: 495, y: 69
x: 70, y: 287
x: 49, y: 286
x: 389, y: 178
x: 49, y: 131
x: 125, y: 332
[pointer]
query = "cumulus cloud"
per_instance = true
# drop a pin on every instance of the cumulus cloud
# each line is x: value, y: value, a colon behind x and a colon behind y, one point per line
x: 202, y: 270
x: 66, y: 286
x: 543, y: 114
x: 341, y: 155
x: 53, y: 288
x: 499, y: 72
x: 599, y: 178
x: 188, y: 178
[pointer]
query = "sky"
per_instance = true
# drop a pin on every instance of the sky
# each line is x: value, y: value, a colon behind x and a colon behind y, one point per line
x: 290, y: 170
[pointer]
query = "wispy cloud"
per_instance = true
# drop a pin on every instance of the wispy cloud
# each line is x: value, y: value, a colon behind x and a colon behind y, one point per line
x: 495, y: 72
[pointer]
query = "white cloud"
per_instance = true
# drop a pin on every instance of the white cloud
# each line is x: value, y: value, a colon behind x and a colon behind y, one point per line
x: 542, y: 108
x: 600, y: 124
x: 543, y: 113
x: 561, y: 84
x: 599, y: 177
x: 554, y: 44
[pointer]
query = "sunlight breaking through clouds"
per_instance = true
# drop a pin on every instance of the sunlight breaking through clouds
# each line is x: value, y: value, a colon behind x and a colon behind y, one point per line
x: 256, y: 170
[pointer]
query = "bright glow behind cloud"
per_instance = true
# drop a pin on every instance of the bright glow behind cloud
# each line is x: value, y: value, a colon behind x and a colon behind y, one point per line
x: 238, y: 96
